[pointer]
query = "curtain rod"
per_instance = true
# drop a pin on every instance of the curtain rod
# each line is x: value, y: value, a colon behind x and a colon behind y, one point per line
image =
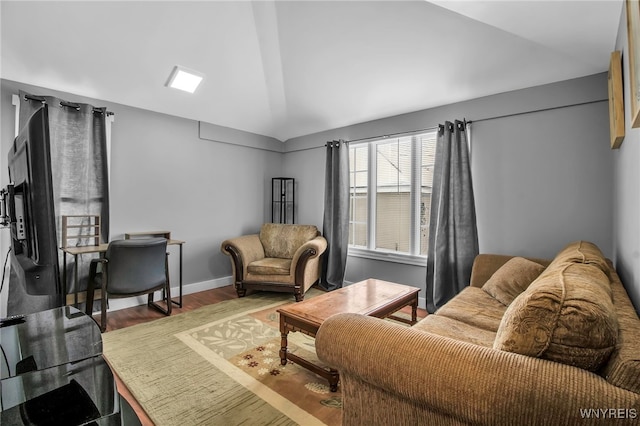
x: 389, y: 135
x: 481, y: 120
x: 536, y: 110
x: 73, y: 105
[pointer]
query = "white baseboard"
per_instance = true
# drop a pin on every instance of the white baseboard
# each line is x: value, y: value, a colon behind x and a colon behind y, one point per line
x: 129, y: 302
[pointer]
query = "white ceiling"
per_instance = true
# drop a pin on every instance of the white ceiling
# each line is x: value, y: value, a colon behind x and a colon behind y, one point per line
x: 290, y: 68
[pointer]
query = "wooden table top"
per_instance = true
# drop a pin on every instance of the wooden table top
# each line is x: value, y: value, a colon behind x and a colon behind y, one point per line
x: 365, y: 297
x: 103, y: 247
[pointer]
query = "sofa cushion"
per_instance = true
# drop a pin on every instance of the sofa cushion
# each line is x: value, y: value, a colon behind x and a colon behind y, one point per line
x: 582, y: 252
x: 474, y: 307
x: 512, y: 279
x: 283, y: 240
x: 623, y: 368
x: 566, y: 315
x: 454, y: 329
x: 270, y: 266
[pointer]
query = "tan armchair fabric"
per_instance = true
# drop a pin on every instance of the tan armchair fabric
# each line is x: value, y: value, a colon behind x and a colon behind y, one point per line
x: 282, y: 257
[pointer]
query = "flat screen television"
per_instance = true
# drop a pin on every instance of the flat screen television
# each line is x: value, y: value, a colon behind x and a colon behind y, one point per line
x: 30, y: 208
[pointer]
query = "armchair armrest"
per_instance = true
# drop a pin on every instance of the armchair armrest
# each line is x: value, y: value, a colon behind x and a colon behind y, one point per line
x: 243, y: 250
x: 312, y: 249
x: 391, y: 373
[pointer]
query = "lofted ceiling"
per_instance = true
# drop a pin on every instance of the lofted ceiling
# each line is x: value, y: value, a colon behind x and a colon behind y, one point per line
x: 290, y: 68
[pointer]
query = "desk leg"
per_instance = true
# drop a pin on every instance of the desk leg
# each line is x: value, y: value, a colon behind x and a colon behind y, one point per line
x: 64, y: 278
x: 75, y: 280
x: 179, y: 302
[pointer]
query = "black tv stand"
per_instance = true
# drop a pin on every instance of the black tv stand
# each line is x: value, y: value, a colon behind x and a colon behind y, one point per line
x: 53, y: 372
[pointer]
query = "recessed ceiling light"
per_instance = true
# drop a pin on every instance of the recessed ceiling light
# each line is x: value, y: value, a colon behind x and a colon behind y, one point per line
x: 184, y: 79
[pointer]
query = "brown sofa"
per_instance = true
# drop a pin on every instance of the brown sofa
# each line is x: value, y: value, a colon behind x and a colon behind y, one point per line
x: 529, y: 342
x: 282, y: 257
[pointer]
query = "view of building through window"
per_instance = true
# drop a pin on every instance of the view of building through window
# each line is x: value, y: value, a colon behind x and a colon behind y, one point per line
x: 390, y: 192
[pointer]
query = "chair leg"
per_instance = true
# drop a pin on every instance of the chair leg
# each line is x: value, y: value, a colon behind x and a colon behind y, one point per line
x: 103, y: 305
x: 167, y: 310
x: 88, y: 308
x: 167, y: 292
x: 241, y: 290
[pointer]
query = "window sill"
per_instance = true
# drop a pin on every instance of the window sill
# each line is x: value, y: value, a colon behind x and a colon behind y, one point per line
x: 384, y: 256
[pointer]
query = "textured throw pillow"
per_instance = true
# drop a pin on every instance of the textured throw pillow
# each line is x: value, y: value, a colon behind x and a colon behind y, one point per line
x: 512, y: 279
x: 566, y: 315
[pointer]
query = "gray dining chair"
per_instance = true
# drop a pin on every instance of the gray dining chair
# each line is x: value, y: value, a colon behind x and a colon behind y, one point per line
x: 130, y: 268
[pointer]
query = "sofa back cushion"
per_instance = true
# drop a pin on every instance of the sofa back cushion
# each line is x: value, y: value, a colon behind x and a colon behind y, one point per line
x: 582, y: 252
x: 512, y: 279
x: 283, y: 240
x: 566, y: 315
x: 623, y: 368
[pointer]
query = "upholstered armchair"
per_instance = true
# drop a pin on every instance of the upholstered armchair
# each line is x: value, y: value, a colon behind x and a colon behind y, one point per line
x: 282, y: 257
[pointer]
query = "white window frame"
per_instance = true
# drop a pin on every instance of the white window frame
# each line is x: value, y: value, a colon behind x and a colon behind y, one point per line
x: 371, y: 252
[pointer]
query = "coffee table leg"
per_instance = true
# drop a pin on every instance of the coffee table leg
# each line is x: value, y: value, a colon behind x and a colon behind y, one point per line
x: 283, y: 343
x: 414, y: 311
x: 333, y: 380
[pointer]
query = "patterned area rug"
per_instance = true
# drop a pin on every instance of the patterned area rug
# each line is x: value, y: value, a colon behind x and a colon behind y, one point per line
x: 220, y: 365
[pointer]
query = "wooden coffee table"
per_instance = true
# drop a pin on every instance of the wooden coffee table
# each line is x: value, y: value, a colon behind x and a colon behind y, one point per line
x: 371, y: 297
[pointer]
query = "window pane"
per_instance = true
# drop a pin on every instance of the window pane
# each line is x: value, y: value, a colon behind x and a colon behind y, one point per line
x: 393, y: 195
x: 358, y: 183
x: 428, y: 149
x: 401, y: 186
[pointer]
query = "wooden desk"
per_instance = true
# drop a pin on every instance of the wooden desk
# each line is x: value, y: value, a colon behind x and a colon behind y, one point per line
x: 102, y: 248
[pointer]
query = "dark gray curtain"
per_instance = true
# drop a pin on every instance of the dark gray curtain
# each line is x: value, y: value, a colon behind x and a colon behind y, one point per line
x: 453, y: 233
x: 79, y: 176
x: 335, y: 226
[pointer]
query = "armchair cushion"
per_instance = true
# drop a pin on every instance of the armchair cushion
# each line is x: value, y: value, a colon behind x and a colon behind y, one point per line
x: 282, y: 241
x: 270, y: 266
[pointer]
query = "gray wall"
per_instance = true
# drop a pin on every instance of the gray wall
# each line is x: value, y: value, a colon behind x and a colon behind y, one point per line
x: 626, y: 189
x: 165, y: 177
x: 541, y: 179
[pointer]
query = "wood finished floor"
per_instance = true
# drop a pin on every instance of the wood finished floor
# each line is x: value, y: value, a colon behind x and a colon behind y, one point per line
x: 140, y: 314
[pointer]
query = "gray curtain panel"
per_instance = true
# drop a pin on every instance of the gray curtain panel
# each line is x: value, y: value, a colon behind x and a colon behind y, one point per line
x: 335, y: 226
x: 79, y: 170
x: 453, y: 233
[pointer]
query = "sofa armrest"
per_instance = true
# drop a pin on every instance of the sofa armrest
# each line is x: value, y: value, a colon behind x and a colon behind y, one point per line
x: 242, y: 250
x: 433, y: 378
x: 485, y: 265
